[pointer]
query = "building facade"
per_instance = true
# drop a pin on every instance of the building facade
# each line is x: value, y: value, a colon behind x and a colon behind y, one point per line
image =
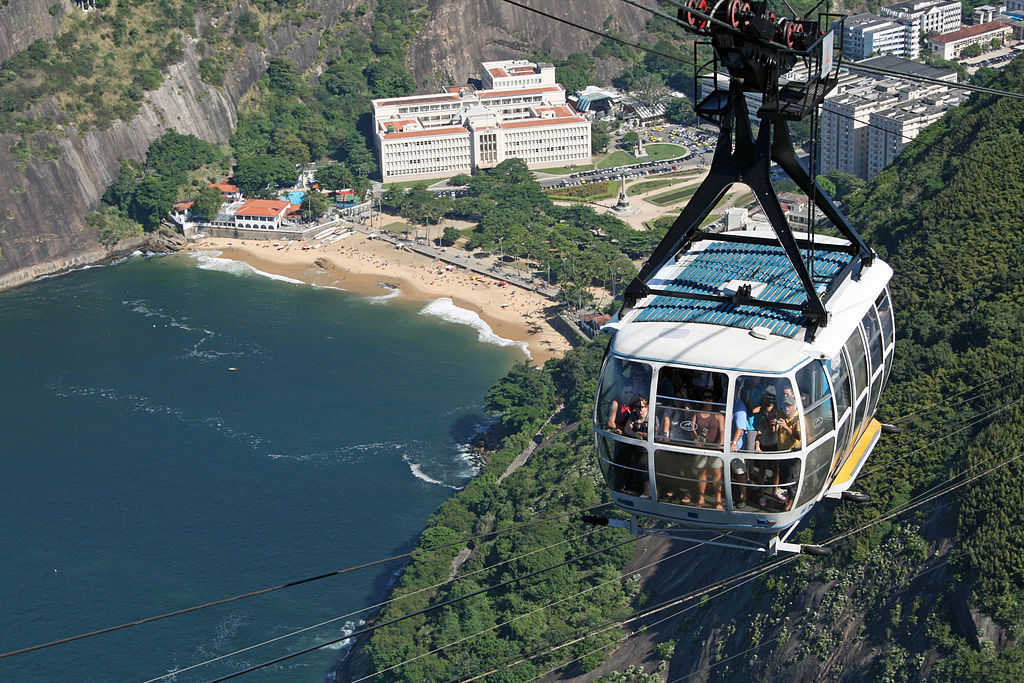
x: 866, y: 121
x: 951, y: 45
x: 926, y: 16
x: 521, y: 112
x: 866, y: 35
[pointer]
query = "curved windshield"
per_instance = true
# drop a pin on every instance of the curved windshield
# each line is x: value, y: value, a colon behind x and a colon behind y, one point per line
x: 690, y: 408
x: 623, y: 396
x: 624, y: 466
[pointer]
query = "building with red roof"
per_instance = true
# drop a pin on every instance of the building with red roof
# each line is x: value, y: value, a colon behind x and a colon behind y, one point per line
x: 951, y: 45
x: 263, y: 214
x: 520, y: 113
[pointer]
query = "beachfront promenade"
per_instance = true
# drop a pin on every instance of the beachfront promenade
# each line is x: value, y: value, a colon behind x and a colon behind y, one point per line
x: 487, y: 265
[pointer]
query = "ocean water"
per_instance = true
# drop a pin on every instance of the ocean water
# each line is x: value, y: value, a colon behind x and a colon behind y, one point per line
x: 178, y: 430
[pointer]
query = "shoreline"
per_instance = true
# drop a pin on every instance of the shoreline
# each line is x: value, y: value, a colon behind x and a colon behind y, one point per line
x: 371, y: 268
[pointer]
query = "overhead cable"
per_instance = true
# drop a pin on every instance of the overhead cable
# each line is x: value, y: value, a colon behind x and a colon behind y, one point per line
x: 291, y: 584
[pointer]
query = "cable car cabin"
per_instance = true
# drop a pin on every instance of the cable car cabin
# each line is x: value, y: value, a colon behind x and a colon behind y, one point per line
x: 728, y: 417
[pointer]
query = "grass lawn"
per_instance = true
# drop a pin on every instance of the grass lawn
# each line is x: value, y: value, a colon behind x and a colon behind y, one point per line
x: 618, y: 158
x: 565, y: 170
x: 601, y: 190
x: 673, y: 197
x: 658, y: 151
x: 399, y: 227
x: 640, y: 188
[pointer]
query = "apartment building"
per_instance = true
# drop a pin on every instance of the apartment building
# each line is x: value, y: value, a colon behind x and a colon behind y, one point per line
x: 926, y: 16
x: 867, y: 121
x: 866, y: 35
x: 520, y: 112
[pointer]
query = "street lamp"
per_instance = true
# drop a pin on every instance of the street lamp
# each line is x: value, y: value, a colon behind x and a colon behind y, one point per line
x: 501, y: 255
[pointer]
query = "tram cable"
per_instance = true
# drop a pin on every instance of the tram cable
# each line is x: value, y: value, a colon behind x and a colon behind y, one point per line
x: 526, y: 614
x: 425, y: 610
x: 378, y: 605
x: 290, y: 584
x: 973, y: 421
x: 443, y: 647
x: 676, y: 58
x: 728, y: 583
x: 470, y: 574
x: 1012, y: 371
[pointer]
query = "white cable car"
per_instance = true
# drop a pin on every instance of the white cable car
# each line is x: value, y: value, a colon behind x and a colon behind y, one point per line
x: 744, y: 369
x: 726, y: 417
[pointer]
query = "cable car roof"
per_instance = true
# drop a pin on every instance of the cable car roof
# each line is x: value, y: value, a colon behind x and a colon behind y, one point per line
x: 711, y: 270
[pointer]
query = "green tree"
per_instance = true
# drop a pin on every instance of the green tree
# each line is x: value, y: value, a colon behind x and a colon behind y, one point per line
x: 680, y: 110
x: 631, y: 139
x: 845, y: 183
x: 599, y: 137
x: 261, y: 172
x: 315, y: 205
x: 451, y: 235
x: 333, y: 177
x: 971, y: 51
x: 208, y: 202
x: 526, y: 394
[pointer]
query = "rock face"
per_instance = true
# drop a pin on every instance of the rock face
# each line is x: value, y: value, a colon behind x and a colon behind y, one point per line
x: 42, y: 219
x: 462, y: 33
x: 44, y: 202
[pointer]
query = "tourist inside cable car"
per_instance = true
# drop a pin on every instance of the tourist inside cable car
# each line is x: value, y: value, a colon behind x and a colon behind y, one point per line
x: 740, y: 446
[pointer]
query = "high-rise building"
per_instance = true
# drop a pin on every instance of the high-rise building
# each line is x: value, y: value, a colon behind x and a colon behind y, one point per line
x: 866, y: 35
x: 521, y: 112
x: 867, y: 120
x: 926, y: 16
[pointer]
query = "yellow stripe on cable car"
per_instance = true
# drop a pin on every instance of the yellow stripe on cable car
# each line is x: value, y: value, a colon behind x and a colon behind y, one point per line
x: 857, y: 457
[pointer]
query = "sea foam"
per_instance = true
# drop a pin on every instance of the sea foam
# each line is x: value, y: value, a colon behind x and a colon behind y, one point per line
x: 446, y: 309
x: 212, y: 261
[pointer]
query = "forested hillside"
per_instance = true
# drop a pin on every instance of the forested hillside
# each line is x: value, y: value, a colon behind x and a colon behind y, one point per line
x: 932, y: 592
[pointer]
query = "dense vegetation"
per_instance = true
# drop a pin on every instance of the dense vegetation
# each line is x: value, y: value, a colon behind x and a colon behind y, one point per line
x: 499, y: 626
x: 891, y: 603
x: 573, y: 245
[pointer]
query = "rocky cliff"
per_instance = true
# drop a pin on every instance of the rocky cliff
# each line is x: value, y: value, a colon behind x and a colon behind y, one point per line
x: 45, y: 200
x: 42, y: 224
x: 462, y: 33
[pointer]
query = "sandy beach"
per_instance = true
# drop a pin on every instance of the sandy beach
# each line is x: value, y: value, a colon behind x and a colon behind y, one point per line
x: 375, y: 267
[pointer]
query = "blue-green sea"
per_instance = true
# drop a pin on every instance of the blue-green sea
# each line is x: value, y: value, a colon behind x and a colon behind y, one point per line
x: 177, y: 430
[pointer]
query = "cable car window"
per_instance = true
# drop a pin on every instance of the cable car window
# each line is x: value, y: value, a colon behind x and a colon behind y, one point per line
x: 845, y: 432
x: 746, y: 408
x: 625, y: 388
x: 855, y: 349
x: 876, y: 391
x: 841, y: 383
x: 771, y: 484
x: 624, y: 466
x: 777, y: 420
x: 688, y: 479
x: 690, y: 408
x: 885, y: 316
x: 817, y: 400
x: 818, y: 462
x: 873, y: 331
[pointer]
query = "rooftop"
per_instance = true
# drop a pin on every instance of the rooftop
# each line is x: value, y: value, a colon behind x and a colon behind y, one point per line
x: 262, y: 207
x: 706, y: 272
x: 969, y: 32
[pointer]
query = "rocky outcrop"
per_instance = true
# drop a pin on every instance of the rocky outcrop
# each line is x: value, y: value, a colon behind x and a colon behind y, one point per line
x: 42, y: 219
x: 45, y: 200
x: 462, y: 33
x: 23, y: 21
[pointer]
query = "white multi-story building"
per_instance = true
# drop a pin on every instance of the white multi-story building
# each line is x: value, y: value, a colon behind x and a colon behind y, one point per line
x: 867, y: 34
x: 926, y: 16
x: 521, y: 112
x: 867, y: 121
x: 950, y: 45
